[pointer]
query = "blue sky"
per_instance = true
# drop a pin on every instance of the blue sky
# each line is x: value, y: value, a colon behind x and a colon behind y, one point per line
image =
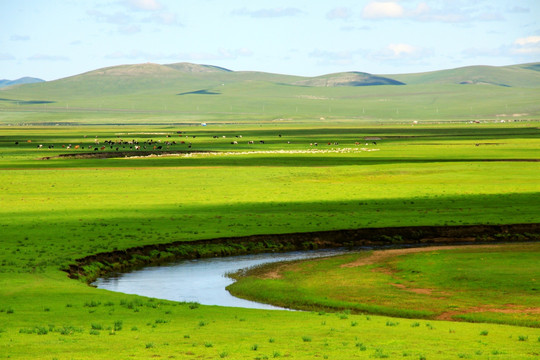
x: 51, y: 39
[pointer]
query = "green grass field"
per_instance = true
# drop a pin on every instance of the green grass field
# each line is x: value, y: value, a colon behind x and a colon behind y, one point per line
x: 55, y: 211
x: 458, y: 165
x: 488, y: 283
x: 152, y: 93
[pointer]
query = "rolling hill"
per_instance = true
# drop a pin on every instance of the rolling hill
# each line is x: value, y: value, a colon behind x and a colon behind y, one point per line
x: 23, y: 80
x: 196, y: 68
x: 204, y: 92
x: 348, y: 79
x: 524, y: 75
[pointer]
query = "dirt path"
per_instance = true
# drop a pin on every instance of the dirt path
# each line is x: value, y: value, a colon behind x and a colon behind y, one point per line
x: 508, y: 309
x: 380, y: 255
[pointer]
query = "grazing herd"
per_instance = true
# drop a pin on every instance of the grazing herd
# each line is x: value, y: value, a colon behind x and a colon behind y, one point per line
x: 159, y: 145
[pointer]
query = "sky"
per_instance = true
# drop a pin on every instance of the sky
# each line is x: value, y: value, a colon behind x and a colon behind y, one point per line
x: 52, y: 39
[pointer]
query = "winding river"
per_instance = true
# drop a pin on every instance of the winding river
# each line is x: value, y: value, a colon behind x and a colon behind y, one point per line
x: 202, y: 280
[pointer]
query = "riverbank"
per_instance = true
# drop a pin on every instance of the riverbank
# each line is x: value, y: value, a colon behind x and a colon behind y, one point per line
x: 59, y: 210
x: 490, y: 283
x: 203, y: 281
x: 91, y: 267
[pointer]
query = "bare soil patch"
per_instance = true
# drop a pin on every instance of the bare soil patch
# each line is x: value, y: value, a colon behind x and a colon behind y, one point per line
x: 380, y: 255
x: 124, y: 259
x: 508, y: 309
x: 413, y: 290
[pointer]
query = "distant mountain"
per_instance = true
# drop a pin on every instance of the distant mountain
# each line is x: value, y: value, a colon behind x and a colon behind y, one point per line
x: 135, y: 70
x: 523, y: 75
x: 348, y: 79
x: 194, y: 77
x: 193, y: 91
x: 196, y: 68
x: 151, y: 79
x: 211, y: 75
x: 156, y: 70
x: 23, y: 80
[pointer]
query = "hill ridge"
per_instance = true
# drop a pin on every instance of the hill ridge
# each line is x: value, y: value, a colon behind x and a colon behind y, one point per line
x: 196, y: 68
x: 521, y: 75
x: 350, y: 78
x: 20, y: 81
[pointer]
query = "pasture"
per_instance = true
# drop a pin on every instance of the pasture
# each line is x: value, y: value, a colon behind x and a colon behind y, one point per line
x: 58, y: 209
x: 483, y: 283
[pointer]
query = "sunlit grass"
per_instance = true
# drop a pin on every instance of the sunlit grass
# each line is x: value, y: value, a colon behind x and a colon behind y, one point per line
x: 494, y: 284
x: 55, y: 211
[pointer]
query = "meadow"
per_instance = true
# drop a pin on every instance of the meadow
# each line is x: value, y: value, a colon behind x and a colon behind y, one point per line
x: 321, y: 159
x: 167, y: 94
x: 482, y: 283
x: 57, y: 210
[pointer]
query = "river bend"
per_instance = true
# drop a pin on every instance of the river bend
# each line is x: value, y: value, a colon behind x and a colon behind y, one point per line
x: 201, y: 280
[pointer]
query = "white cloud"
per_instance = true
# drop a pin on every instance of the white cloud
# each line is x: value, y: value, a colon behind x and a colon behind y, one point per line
x: 355, y: 28
x: 147, y: 5
x: 381, y: 10
x: 519, y: 10
x: 446, y: 12
x: 348, y: 58
x: 332, y: 55
x: 129, y: 21
x: 405, y: 52
x: 339, y: 13
x: 528, y: 40
x: 489, y: 16
x: 19, y: 37
x: 219, y: 54
x: 424, y: 12
x: 164, y: 18
x: 421, y: 8
x: 527, y: 46
x: 132, y: 55
x: 5, y: 57
x: 402, y: 49
x: 129, y: 29
x: 118, y: 18
x: 268, y: 13
x: 482, y: 52
x: 233, y: 53
x: 45, y: 57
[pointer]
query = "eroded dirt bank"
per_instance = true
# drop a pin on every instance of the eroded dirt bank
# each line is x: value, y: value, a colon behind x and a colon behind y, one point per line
x: 160, y: 153
x: 118, y: 154
x: 91, y: 267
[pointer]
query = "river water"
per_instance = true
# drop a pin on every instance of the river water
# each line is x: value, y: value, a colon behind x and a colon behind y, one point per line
x: 201, y: 280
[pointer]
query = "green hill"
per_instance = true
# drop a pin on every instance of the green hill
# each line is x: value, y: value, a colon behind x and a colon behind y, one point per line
x: 196, y: 68
x: 23, y: 80
x: 529, y: 66
x: 524, y: 75
x: 187, y: 92
x: 348, y: 79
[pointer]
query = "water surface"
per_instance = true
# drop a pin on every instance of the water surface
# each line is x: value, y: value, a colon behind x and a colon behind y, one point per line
x: 201, y: 280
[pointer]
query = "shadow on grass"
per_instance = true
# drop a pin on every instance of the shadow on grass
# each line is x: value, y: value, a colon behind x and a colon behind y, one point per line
x: 511, y: 208
x: 27, y: 102
x: 255, y: 160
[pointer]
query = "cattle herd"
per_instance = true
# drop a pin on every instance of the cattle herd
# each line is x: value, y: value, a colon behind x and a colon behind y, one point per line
x: 158, y: 145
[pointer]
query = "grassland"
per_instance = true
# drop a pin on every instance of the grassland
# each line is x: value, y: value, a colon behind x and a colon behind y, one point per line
x: 484, y: 283
x: 152, y: 93
x: 55, y: 210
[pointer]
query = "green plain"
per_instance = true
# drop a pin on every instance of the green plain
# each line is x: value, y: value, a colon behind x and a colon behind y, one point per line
x: 495, y: 284
x: 443, y: 170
